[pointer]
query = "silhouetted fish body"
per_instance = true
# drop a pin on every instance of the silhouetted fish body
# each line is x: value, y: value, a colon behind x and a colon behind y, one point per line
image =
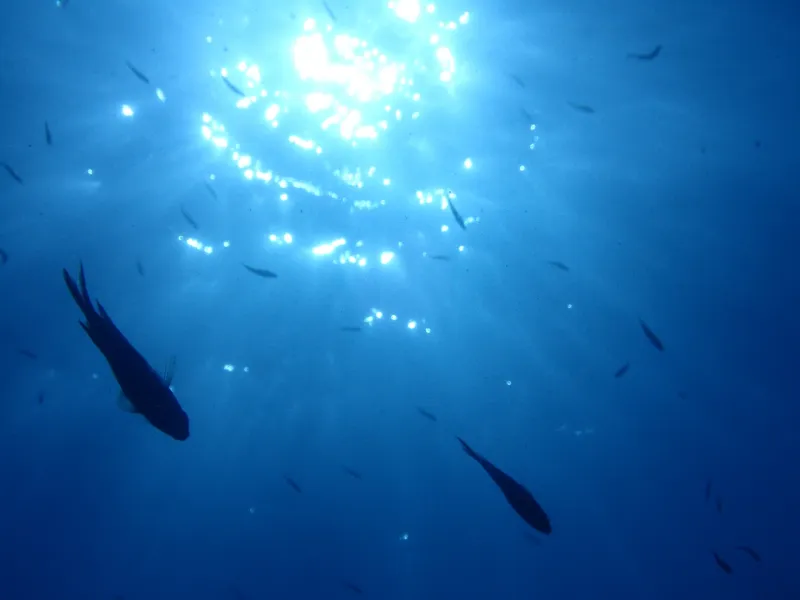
x: 520, y: 499
x: 146, y: 390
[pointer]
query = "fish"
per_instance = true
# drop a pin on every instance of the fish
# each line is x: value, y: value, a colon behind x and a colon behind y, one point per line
x: 719, y: 504
x: 517, y: 496
x: 188, y: 218
x: 516, y: 79
x: 753, y: 554
x: 622, y: 370
x: 350, y: 328
x: 352, y: 472
x: 40, y: 397
x: 28, y: 353
x: 210, y: 190
x: 48, y: 136
x: 139, y: 268
x: 652, y: 337
x: 428, y: 415
x: 708, y: 489
x: 12, y: 173
x: 584, y: 108
x: 260, y: 272
x: 233, y: 88
x: 442, y: 257
x: 558, y: 265
x: 3, y: 257
x: 647, y: 55
x: 349, y: 585
x: 292, y: 484
x: 143, y: 390
x: 329, y: 11
x: 139, y: 75
x: 456, y: 215
x: 721, y: 563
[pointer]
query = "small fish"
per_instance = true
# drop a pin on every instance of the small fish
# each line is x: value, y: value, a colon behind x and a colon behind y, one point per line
x: 722, y: 564
x: 350, y: 328
x: 48, y: 136
x: 622, y: 370
x: 349, y: 585
x: 139, y: 75
x: 28, y: 353
x: 584, y: 108
x: 647, y: 55
x: 442, y: 257
x: 188, y: 218
x: 139, y: 268
x: 558, y: 265
x: 428, y: 415
x: 718, y: 504
x: 12, y: 173
x: 516, y: 79
x: 517, y: 496
x: 233, y: 88
x: 292, y: 484
x: 652, y: 337
x: 3, y: 257
x: 708, y: 489
x: 329, y: 11
x: 753, y: 554
x: 40, y: 397
x: 352, y: 472
x: 210, y: 190
x: 260, y: 272
x: 456, y: 215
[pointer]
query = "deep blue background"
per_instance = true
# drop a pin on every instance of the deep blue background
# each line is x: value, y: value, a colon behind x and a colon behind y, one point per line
x: 675, y: 202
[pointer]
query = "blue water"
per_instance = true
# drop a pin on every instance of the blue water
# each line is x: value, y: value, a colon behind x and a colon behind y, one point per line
x: 667, y: 188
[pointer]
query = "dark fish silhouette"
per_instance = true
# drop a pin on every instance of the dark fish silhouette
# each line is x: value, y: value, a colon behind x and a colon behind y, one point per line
x: 40, y: 397
x: 139, y: 268
x: 438, y: 256
x: 722, y: 564
x: 622, y: 370
x: 350, y: 328
x: 3, y: 257
x: 329, y: 11
x: 48, y: 136
x: 516, y: 79
x: 352, y: 472
x: 210, y: 190
x: 27, y: 353
x: 753, y: 554
x: 349, y: 585
x: 292, y: 484
x: 719, y: 504
x: 148, y: 392
x: 584, y: 108
x: 708, y: 489
x: 647, y: 55
x: 558, y: 265
x: 456, y: 215
x: 520, y: 499
x: 260, y: 272
x: 188, y: 218
x: 233, y: 88
x: 426, y: 414
x: 12, y: 173
x: 139, y: 75
x: 652, y: 337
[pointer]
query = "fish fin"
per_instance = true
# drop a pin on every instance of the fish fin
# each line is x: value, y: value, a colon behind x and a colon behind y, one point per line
x: 467, y: 449
x: 169, y: 371
x: 125, y: 405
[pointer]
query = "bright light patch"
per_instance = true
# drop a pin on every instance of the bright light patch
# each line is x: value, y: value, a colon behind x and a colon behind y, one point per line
x: 126, y: 110
x: 386, y: 257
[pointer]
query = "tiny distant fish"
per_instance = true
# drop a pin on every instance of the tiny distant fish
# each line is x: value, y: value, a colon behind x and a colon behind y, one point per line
x: 517, y: 80
x: 139, y: 268
x: 708, y: 489
x: 3, y: 257
x: 48, y: 136
x: 260, y: 272
x: 753, y: 554
x: 12, y: 173
x: 188, y: 218
x: 428, y: 415
x: 40, y: 397
x: 584, y: 108
x: 233, y: 88
x: 719, y: 504
x: 292, y: 484
x: 443, y: 257
x: 350, y: 328
x: 349, y: 585
x: 558, y: 265
x: 139, y: 75
x: 647, y: 55
x: 622, y: 370
x: 329, y: 11
x: 352, y: 472
x: 722, y: 564
x: 456, y: 215
x: 651, y: 336
x: 210, y: 190
x: 28, y: 353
